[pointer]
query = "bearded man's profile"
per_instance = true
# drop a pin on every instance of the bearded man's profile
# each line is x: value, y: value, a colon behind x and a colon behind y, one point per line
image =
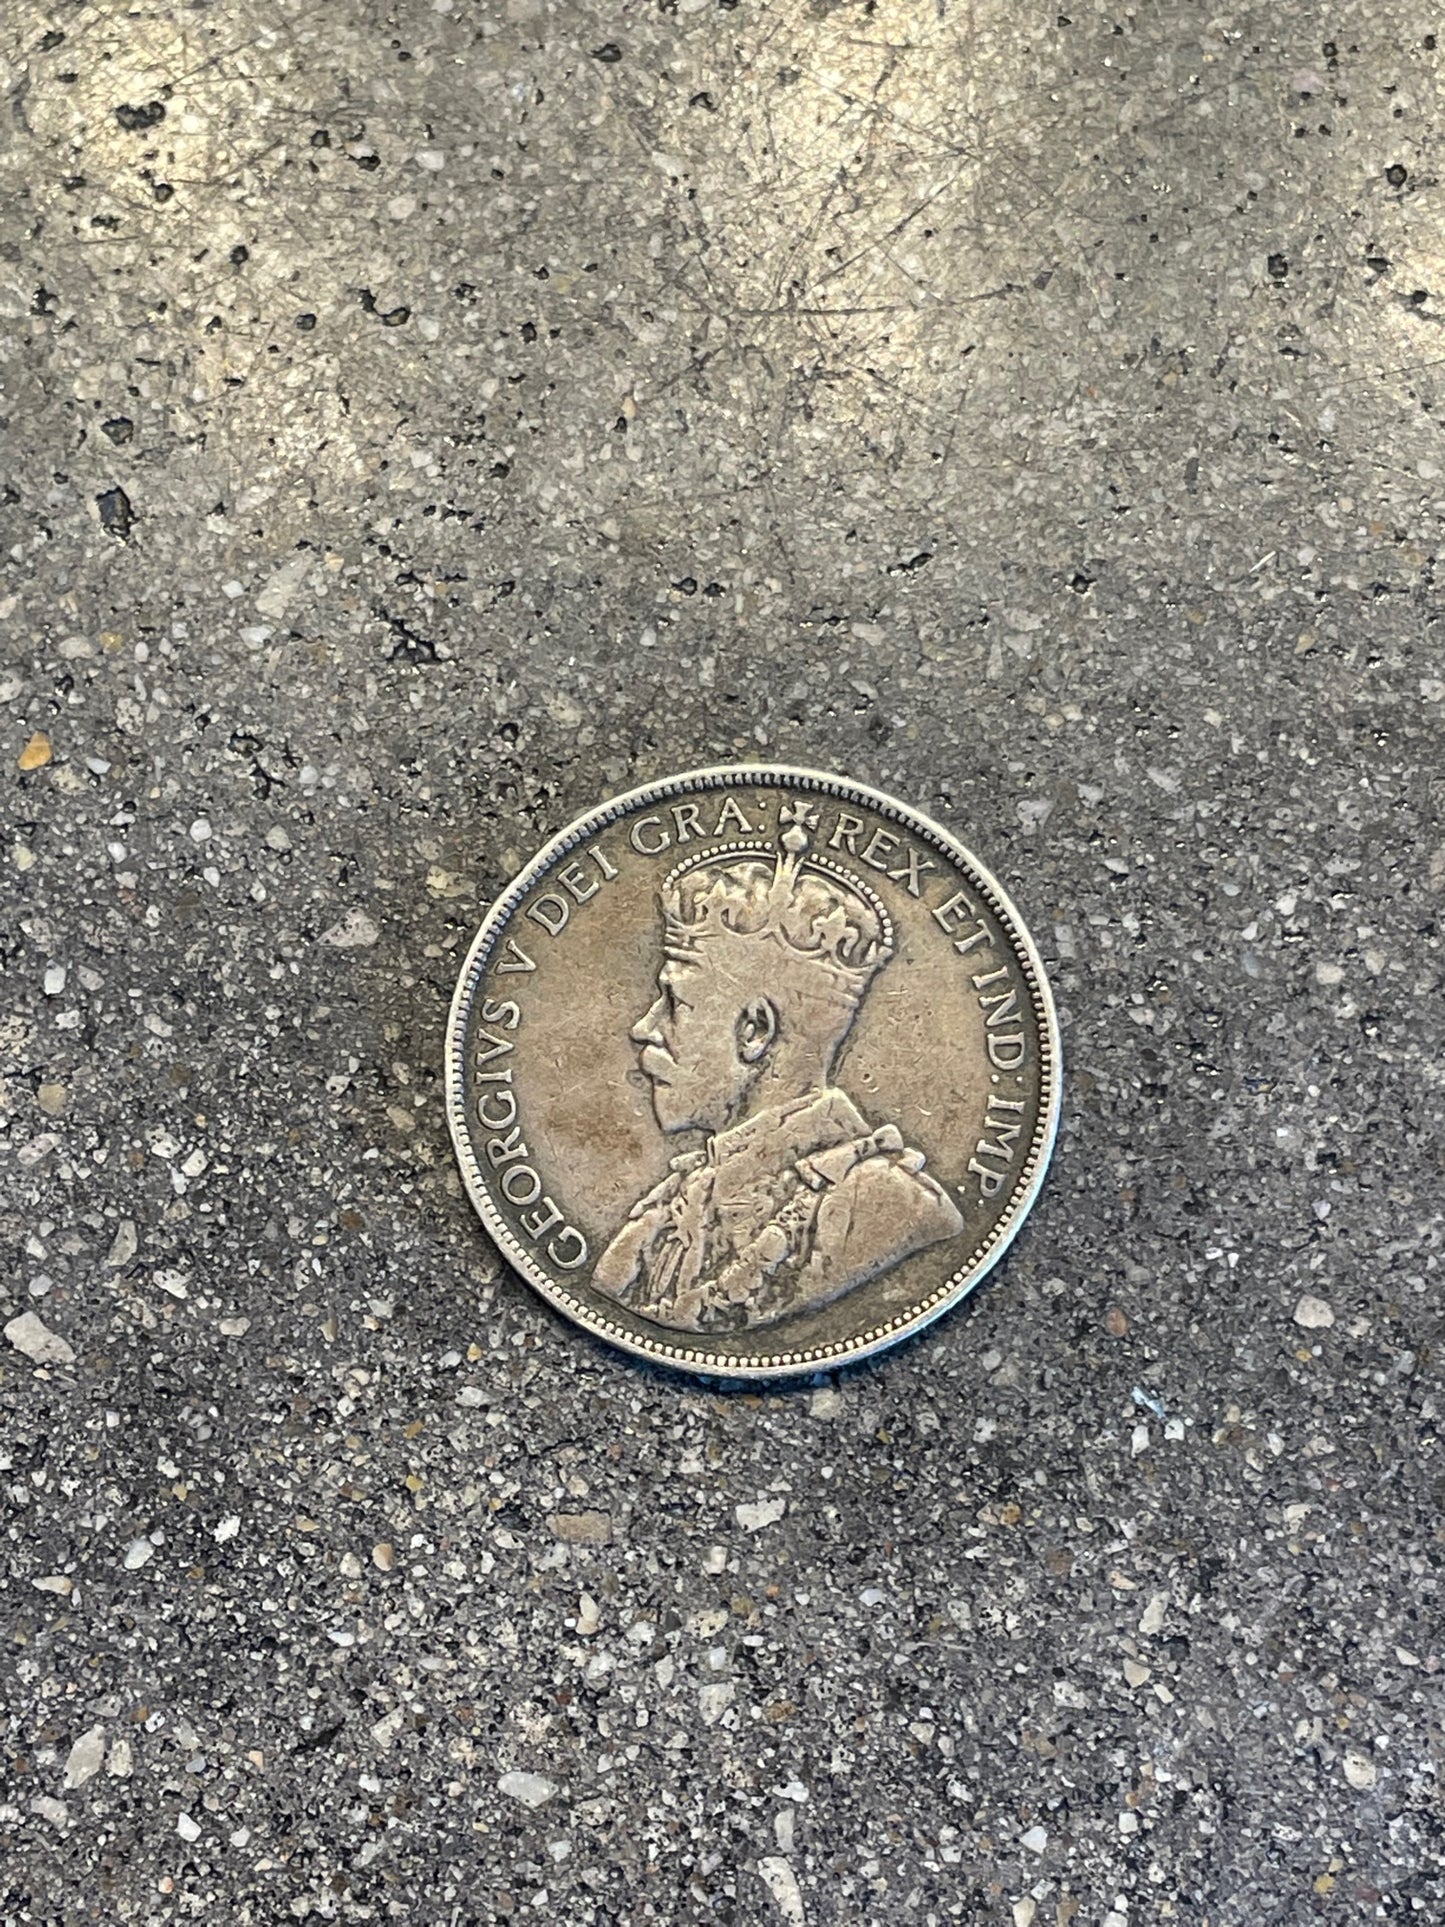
x: 793, y: 1200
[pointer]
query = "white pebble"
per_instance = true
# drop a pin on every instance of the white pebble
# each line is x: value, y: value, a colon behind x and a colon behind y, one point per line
x: 85, y: 1758
x: 29, y: 1335
x: 201, y: 830
x: 1036, y: 1839
x: 1313, y: 1313
x: 54, y: 980
x: 782, y: 1883
x: 186, y: 1827
x: 123, y: 1245
x: 713, y: 1700
x: 1151, y: 1620
x: 136, y: 1554
x: 1360, y: 1771
x: 752, y: 1518
x: 532, y: 1789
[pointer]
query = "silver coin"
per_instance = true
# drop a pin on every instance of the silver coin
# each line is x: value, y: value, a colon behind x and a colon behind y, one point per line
x: 753, y: 1071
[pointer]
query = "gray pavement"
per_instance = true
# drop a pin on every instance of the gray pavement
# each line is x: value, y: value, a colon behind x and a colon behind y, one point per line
x: 425, y: 420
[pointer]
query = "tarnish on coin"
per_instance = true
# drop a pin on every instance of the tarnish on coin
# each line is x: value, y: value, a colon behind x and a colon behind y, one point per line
x: 753, y: 1071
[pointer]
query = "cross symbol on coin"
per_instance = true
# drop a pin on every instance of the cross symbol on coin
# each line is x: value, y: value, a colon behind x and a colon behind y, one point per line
x: 802, y: 814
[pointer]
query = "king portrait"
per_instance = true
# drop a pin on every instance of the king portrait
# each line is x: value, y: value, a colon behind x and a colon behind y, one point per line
x: 793, y: 1198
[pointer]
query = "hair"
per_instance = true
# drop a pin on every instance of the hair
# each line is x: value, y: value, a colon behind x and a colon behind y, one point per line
x: 816, y: 938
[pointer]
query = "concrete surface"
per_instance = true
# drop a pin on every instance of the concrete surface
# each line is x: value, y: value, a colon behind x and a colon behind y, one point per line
x: 424, y: 420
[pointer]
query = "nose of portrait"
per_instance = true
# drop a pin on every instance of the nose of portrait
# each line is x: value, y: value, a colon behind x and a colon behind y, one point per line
x: 647, y: 1029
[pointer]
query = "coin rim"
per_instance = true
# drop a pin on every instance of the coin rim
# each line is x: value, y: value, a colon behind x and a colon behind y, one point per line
x: 783, y: 1364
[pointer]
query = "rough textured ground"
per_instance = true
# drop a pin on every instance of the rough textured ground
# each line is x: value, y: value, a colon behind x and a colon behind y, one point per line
x: 424, y: 420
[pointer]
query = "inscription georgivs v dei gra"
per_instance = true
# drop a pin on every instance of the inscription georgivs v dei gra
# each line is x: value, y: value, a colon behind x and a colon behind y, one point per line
x: 753, y: 1070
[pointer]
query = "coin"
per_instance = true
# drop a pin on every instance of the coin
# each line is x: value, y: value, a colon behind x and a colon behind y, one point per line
x: 753, y: 1071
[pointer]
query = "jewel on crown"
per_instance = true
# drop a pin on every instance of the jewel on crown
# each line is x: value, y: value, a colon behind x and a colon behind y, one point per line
x: 780, y: 898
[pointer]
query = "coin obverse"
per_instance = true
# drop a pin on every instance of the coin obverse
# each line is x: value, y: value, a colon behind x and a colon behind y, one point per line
x: 753, y: 1071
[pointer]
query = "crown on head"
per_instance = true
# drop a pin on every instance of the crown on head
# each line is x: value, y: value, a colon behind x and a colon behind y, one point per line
x: 803, y: 905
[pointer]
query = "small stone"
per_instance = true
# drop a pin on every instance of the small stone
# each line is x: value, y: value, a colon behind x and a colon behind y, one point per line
x: 186, y: 1827
x: 355, y: 931
x: 55, y: 1811
x: 782, y: 1883
x: 351, y: 1566
x: 1115, y: 1323
x: 825, y: 1402
x: 714, y: 1699
x: 531, y: 1789
x: 1360, y: 1771
x: 1024, y: 1911
x: 1135, y: 1671
x: 55, y: 1582
x: 136, y: 1554
x: 52, y: 1099
x: 120, y: 1761
x: 387, y: 1728
x: 29, y: 1335
x: 582, y: 1528
x: 1313, y: 1313
x: 36, y: 753
x: 39, y: 1147
x: 1036, y: 1839
x: 235, y: 1327
x: 1329, y: 974
x: 123, y: 1245
x: 85, y: 1758
x: 752, y: 1518
x: 383, y: 1556
x: 589, y: 1615
x: 226, y: 1528
x: 1152, y: 1619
